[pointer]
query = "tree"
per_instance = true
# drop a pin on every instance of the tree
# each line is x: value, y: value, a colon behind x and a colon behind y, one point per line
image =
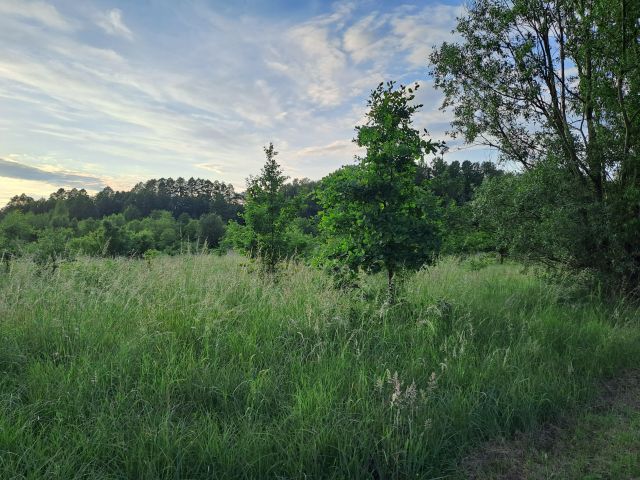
x: 537, y: 216
x: 211, y: 229
x: 266, y: 214
x: 374, y: 215
x: 132, y: 213
x: 80, y: 205
x: 558, y: 81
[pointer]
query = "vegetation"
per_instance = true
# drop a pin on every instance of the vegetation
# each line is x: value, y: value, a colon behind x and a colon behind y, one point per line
x: 149, y: 364
x: 555, y: 87
x: 195, y: 367
x: 164, y: 215
x: 600, y: 441
x: 375, y: 215
x: 53, y: 229
x: 266, y: 213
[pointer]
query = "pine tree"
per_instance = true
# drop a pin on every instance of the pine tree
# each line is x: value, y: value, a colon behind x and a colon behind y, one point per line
x: 266, y: 213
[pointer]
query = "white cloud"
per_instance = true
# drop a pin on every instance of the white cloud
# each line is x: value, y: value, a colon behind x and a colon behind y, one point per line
x: 38, y: 11
x: 364, y: 40
x: 113, y: 23
x: 209, y: 94
x: 339, y: 146
x: 418, y: 33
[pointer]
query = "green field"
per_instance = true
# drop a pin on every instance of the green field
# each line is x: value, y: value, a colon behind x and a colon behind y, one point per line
x: 196, y: 367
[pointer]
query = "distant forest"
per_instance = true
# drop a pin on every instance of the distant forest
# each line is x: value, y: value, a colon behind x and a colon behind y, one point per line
x: 176, y: 215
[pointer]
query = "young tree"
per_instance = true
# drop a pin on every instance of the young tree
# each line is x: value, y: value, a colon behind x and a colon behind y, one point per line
x: 374, y: 214
x: 266, y: 214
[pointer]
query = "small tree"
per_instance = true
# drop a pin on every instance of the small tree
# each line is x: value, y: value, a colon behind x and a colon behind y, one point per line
x: 265, y: 214
x: 375, y: 215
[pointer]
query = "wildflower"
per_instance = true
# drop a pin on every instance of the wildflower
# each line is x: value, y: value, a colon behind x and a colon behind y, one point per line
x: 411, y: 393
x: 433, y: 382
x: 396, y: 395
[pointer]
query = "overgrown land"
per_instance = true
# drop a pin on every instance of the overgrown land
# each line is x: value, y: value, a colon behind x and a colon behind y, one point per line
x: 395, y: 319
x: 194, y: 367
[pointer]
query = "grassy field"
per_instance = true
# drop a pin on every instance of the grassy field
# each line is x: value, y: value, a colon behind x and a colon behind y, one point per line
x: 195, y: 367
x: 598, y: 442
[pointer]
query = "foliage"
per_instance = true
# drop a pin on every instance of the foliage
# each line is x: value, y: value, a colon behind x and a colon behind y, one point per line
x: 194, y: 196
x: 558, y: 82
x: 374, y: 214
x: 543, y: 216
x: 211, y: 229
x: 266, y: 212
x: 52, y: 246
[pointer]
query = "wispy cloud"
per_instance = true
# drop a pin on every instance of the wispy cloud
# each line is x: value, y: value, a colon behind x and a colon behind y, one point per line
x: 11, y: 169
x: 37, y: 11
x: 339, y: 146
x: 113, y: 23
x: 201, y: 90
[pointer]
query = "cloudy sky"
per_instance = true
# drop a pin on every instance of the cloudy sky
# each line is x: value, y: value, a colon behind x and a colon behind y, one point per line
x: 111, y: 92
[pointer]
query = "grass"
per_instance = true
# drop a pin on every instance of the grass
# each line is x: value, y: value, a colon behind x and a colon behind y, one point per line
x: 599, y: 442
x: 603, y: 446
x: 194, y: 367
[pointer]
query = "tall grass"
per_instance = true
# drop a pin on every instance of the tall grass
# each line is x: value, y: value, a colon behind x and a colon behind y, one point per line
x: 196, y: 367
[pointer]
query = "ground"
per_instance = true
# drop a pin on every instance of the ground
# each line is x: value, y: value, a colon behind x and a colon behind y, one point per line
x: 602, y: 442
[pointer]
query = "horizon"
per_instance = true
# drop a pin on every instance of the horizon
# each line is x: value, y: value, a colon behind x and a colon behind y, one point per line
x: 115, y: 93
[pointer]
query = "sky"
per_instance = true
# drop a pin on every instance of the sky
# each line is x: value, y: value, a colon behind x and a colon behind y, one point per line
x: 113, y: 92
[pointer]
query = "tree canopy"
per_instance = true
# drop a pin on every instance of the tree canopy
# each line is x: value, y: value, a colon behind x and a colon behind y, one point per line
x: 556, y: 85
x: 375, y: 215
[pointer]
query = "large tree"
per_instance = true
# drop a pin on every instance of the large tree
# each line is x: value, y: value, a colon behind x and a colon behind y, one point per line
x: 558, y: 82
x: 375, y: 215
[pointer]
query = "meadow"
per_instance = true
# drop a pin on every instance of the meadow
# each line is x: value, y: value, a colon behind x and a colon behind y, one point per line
x: 195, y: 366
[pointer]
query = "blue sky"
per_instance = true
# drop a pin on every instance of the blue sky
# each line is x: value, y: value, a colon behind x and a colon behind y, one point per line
x: 108, y: 92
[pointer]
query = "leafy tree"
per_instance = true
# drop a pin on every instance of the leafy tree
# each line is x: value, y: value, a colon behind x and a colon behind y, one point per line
x: 15, y: 231
x: 211, y: 229
x: 114, y: 238
x: 266, y: 214
x: 92, y: 244
x: 168, y: 240
x: 60, y: 215
x: 142, y: 241
x: 239, y: 238
x: 374, y: 214
x: 538, y: 216
x: 190, y: 230
x: 51, y: 245
x: 106, y: 202
x: 455, y: 185
x: 132, y: 213
x: 301, y: 192
x: 558, y: 82
x: 79, y: 204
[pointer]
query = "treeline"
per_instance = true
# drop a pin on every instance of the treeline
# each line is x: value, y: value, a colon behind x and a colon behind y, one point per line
x: 173, y: 216
x: 194, y: 197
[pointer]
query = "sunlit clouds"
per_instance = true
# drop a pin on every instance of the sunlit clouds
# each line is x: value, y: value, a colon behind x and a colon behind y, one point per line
x: 121, y: 92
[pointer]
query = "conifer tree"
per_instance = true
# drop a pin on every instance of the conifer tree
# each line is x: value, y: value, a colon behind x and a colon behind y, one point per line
x: 266, y: 213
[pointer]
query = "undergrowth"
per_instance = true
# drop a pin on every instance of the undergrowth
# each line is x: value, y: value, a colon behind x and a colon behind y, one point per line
x: 196, y: 367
